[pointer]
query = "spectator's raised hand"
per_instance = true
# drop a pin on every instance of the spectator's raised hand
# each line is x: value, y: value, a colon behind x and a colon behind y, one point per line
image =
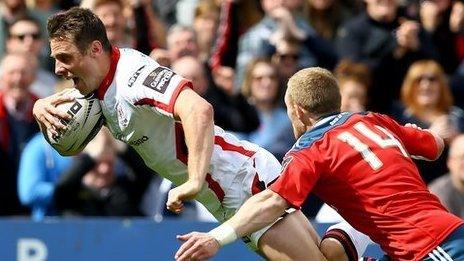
x: 457, y: 17
x: 444, y: 128
x: 287, y: 24
x: 407, y: 37
x: 429, y: 15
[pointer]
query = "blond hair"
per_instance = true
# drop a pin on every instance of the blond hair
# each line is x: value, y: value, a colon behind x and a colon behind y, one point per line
x: 316, y: 90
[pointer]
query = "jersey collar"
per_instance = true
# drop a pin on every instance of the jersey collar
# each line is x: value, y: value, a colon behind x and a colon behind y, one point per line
x: 115, y: 54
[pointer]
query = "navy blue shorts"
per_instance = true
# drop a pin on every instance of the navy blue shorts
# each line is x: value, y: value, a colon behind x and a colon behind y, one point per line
x: 452, y: 248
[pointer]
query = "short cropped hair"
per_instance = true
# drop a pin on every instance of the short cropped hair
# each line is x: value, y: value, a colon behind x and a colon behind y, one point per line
x: 80, y: 26
x: 316, y: 90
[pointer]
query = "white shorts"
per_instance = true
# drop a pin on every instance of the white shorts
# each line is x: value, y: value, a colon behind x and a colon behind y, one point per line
x: 254, y: 176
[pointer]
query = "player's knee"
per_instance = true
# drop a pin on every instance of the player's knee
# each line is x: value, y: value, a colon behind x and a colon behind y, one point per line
x: 333, y: 250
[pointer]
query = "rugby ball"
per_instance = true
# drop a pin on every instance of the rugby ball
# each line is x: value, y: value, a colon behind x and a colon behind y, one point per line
x: 86, y: 120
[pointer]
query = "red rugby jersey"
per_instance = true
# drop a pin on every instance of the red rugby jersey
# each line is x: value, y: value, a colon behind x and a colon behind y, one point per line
x: 361, y: 165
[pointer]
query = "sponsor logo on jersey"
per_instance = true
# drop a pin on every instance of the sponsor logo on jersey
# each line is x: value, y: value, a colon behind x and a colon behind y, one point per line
x: 159, y: 79
x: 134, y: 77
x: 138, y: 141
x: 122, y: 115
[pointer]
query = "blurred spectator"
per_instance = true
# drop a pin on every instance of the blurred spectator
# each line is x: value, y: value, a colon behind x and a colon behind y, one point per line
x: 232, y: 112
x: 48, y: 7
x: 387, y: 44
x: 236, y: 17
x: 17, y: 125
x: 191, y: 68
x: 436, y: 19
x: 181, y: 41
x: 281, y: 19
x: 39, y: 170
x: 325, y: 16
x: 261, y: 86
x: 205, y: 25
x: 450, y: 187
x: 10, y: 10
x: 25, y: 37
x: 99, y: 184
x: 427, y: 102
x: 111, y: 12
x: 354, y: 80
x: 285, y: 58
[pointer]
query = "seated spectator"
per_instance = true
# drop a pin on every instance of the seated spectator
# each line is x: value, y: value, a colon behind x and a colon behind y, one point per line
x: 17, y: 125
x: 114, y: 16
x: 435, y: 17
x: 388, y: 44
x: 325, y: 16
x: 281, y: 19
x: 285, y: 58
x: 450, y: 187
x: 40, y: 168
x: 26, y: 37
x: 10, y: 11
x: 99, y: 184
x: 261, y: 86
x: 181, y: 41
x: 232, y: 111
x: 427, y: 101
x: 205, y: 24
x: 354, y: 81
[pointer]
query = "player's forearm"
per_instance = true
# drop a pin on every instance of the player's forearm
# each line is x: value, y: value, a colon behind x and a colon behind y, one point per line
x: 258, y: 212
x: 199, y: 136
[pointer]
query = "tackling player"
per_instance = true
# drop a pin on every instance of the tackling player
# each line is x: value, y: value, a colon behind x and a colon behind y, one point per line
x: 155, y: 110
x: 359, y: 163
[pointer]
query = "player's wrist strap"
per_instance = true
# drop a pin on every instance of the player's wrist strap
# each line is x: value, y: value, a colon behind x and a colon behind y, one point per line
x: 224, y: 234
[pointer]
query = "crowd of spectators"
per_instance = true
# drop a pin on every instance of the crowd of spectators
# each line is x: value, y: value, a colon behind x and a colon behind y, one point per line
x: 404, y: 58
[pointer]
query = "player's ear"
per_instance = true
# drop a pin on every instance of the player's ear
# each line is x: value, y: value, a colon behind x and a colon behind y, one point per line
x: 301, y: 113
x: 96, y: 48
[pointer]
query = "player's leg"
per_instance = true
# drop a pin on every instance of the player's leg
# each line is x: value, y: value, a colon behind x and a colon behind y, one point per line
x: 291, y: 238
x: 342, y: 242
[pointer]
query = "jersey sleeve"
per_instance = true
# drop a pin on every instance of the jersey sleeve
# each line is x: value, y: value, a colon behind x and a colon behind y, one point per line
x: 160, y: 89
x: 297, y: 179
x: 418, y: 143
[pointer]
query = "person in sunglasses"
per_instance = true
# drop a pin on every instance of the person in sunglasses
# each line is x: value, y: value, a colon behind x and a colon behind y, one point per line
x: 426, y: 101
x: 25, y: 37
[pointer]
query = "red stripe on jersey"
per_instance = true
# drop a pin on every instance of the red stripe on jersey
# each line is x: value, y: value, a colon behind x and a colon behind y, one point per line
x: 153, y: 103
x: 231, y: 147
x: 115, y: 54
x: 215, y: 187
x: 183, y: 84
x: 182, y: 155
x: 163, y: 106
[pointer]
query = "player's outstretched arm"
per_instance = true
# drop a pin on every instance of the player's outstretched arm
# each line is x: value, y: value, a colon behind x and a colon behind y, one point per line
x: 259, y: 211
x: 196, y: 116
x: 47, y: 115
x: 438, y: 140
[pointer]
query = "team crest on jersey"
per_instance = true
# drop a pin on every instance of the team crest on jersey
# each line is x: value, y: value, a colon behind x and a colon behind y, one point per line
x: 134, y: 77
x: 159, y: 79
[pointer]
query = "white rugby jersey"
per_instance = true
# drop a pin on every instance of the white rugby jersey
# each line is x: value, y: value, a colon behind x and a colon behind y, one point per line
x: 137, y: 98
